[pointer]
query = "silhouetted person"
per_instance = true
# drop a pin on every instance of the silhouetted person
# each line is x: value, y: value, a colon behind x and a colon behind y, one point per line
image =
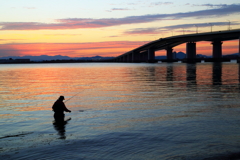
x: 59, y: 123
x: 59, y: 108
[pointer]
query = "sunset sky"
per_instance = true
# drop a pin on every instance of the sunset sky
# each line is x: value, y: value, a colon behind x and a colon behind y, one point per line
x: 80, y: 28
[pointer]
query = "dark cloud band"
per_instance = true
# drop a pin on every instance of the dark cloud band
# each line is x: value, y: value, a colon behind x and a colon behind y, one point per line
x: 76, y: 23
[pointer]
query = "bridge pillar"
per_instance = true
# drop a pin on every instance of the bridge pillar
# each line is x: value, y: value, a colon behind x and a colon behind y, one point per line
x: 151, y: 55
x: 125, y: 58
x: 217, y: 49
x: 191, y: 51
x: 129, y: 57
x: 143, y: 56
x: 169, y: 53
x: 122, y: 59
x: 135, y: 56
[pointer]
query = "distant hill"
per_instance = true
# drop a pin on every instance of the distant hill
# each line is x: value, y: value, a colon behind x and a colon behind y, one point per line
x: 180, y: 55
x: 57, y: 57
x: 232, y: 56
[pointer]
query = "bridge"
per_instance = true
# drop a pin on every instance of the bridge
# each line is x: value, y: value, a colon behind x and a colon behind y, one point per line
x: 146, y: 52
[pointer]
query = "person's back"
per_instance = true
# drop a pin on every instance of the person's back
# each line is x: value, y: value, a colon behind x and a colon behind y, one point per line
x: 59, y: 108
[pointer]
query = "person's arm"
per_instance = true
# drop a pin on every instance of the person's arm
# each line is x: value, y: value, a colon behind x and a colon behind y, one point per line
x: 65, y: 108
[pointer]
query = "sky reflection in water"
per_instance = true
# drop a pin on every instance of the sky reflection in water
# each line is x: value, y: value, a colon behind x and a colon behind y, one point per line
x: 120, y: 111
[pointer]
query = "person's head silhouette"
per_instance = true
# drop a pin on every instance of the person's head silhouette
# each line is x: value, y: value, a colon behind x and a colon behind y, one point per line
x: 61, y: 98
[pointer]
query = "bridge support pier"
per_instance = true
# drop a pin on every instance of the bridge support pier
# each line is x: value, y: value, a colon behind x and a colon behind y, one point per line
x: 151, y: 55
x: 122, y: 59
x: 141, y: 57
x: 191, y: 51
x: 135, y: 57
x: 217, y: 49
x: 125, y: 58
x: 144, y: 56
x: 129, y: 57
x: 170, y: 54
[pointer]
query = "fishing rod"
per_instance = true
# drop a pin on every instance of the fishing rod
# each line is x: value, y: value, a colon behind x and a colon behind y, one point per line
x: 72, y: 97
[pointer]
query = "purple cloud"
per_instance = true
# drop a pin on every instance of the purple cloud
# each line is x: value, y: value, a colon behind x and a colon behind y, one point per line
x: 143, y: 31
x: 210, y: 5
x: 76, y: 23
x: 161, y: 3
x: 118, y: 9
x: 181, y: 27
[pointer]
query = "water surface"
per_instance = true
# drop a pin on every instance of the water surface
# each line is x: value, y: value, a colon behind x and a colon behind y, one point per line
x: 121, y: 111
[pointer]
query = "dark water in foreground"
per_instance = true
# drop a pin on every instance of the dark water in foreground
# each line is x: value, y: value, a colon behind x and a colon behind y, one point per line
x: 121, y: 111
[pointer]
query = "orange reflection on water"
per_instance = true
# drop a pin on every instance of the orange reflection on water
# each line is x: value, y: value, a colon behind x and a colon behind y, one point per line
x: 8, y: 116
x: 204, y: 74
x: 230, y: 74
x: 85, y: 85
x: 38, y: 87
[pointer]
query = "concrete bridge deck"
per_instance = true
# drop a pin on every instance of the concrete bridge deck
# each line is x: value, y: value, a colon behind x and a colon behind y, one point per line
x: 146, y: 53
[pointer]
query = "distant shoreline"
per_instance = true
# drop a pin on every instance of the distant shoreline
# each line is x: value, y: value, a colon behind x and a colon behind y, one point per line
x: 224, y: 59
x: 52, y: 61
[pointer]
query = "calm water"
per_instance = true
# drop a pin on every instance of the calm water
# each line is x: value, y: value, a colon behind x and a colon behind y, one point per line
x: 126, y: 111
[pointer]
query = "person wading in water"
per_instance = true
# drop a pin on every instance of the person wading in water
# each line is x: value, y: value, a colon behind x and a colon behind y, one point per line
x: 59, y: 108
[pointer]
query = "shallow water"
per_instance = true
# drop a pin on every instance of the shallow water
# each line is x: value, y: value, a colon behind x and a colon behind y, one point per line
x: 121, y: 111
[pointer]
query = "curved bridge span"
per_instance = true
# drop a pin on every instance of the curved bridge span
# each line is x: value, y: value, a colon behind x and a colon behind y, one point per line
x: 146, y: 53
